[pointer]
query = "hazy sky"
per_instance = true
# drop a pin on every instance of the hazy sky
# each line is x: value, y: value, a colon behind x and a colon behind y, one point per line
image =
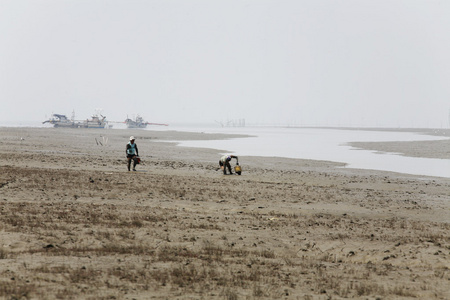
x: 290, y: 62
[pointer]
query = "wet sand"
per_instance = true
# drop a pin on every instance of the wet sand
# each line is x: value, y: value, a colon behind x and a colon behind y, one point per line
x: 75, y: 224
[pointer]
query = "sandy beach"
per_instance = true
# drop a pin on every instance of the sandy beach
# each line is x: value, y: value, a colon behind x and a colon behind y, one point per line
x: 75, y: 224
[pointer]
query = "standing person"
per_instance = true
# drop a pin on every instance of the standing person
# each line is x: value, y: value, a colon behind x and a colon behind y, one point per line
x: 132, y: 153
x: 224, y: 163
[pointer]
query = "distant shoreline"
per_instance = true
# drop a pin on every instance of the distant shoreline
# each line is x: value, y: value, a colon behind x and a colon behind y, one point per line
x: 173, y: 126
x: 424, y: 149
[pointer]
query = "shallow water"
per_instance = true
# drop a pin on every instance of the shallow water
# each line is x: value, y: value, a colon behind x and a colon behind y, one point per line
x: 324, y: 144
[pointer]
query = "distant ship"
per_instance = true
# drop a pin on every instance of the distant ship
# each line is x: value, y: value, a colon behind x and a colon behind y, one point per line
x: 139, y: 122
x: 96, y: 121
x: 58, y: 120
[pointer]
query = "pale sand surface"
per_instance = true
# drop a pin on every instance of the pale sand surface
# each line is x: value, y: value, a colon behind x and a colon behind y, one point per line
x: 76, y: 225
x: 428, y: 149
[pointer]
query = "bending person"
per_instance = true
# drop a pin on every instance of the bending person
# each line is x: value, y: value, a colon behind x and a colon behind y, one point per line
x: 224, y: 163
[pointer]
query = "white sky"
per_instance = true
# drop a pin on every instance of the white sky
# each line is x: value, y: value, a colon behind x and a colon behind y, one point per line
x: 289, y: 62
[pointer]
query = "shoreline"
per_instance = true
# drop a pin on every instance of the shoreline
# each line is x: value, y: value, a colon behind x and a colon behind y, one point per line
x: 428, y: 150
x: 418, y: 149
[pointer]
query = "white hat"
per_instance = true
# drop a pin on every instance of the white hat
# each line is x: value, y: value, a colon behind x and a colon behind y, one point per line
x: 132, y: 138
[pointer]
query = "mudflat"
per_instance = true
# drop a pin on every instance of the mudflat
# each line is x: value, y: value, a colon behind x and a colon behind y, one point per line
x: 75, y: 224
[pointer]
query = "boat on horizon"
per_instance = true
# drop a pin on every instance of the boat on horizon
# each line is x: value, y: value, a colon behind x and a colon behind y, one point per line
x: 96, y: 121
x: 58, y: 120
x: 139, y: 122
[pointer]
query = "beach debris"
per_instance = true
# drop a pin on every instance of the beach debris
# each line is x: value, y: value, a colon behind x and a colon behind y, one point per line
x: 103, y: 141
